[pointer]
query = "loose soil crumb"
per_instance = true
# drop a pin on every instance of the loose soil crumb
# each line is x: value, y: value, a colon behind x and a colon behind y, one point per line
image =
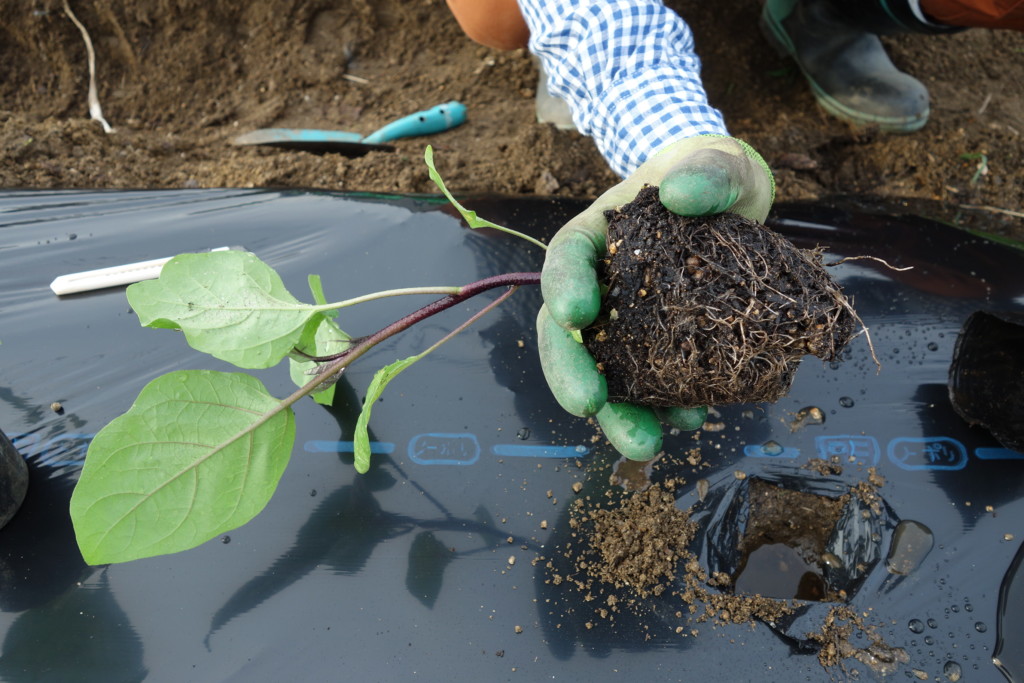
x: 867, y: 491
x: 835, y: 640
x: 826, y: 468
x: 720, y: 297
x: 639, y: 544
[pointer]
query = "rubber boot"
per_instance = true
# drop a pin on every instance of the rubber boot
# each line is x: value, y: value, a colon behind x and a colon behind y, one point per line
x: 845, y: 63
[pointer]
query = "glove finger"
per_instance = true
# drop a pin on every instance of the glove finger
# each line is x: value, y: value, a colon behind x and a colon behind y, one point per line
x: 569, y: 278
x: 633, y: 430
x: 710, y: 181
x: 569, y: 369
x: 686, y: 419
x: 726, y: 174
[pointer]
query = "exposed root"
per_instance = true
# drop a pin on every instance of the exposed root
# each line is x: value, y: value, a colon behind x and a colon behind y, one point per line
x: 870, y: 258
x: 95, y: 111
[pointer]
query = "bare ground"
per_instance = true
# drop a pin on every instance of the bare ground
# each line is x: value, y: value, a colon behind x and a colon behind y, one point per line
x: 179, y: 78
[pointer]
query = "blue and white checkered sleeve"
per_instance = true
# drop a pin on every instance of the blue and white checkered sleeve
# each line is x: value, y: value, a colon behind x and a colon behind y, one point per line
x: 628, y: 70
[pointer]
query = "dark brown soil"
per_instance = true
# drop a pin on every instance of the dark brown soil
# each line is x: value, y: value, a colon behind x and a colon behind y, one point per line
x: 721, y: 299
x: 797, y: 518
x: 178, y: 78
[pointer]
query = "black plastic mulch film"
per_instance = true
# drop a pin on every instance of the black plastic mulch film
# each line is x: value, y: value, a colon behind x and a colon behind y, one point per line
x: 404, y: 573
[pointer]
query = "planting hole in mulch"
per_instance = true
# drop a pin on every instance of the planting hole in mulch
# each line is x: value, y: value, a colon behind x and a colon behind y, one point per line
x: 711, y: 310
x: 798, y: 536
x: 785, y: 546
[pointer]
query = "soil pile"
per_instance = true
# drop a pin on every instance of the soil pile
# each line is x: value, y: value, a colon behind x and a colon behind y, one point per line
x: 711, y: 310
x: 638, y: 547
x: 641, y: 543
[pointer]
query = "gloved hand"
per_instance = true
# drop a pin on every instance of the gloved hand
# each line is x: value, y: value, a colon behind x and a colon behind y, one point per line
x: 697, y: 176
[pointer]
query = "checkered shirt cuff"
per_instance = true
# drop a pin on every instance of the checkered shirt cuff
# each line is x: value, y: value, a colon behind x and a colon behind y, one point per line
x: 628, y: 70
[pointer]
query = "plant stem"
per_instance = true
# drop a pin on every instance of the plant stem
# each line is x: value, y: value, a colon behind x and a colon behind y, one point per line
x: 472, y: 319
x: 386, y: 293
x: 340, y: 361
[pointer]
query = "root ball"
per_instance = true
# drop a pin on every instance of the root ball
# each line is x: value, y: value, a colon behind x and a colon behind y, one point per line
x: 710, y: 310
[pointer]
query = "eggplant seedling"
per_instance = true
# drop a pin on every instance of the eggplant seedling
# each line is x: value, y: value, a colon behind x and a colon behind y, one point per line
x: 201, y: 452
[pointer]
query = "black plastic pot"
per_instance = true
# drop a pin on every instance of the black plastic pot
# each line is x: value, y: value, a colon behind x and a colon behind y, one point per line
x: 985, y: 384
x: 13, y: 479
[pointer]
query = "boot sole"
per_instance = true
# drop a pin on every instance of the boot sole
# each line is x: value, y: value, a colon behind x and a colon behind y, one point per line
x: 776, y: 36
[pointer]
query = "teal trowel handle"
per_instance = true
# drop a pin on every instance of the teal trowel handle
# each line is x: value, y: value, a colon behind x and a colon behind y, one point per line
x: 440, y: 118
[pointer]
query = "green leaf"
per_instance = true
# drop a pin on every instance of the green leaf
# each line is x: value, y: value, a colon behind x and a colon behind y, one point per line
x: 361, y: 437
x: 229, y: 304
x: 317, y: 288
x: 468, y: 215
x: 329, y: 339
x: 198, y: 454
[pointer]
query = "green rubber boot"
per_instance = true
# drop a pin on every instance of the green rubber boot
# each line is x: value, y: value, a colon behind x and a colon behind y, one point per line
x: 849, y: 72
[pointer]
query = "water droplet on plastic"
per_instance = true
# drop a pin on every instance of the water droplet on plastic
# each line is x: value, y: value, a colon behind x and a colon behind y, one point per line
x: 312, y: 494
x: 932, y: 346
x: 846, y: 401
x: 582, y: 450
x: 932, y: 623
x: 226, y: 540
x: 928, y: 640
x: 952, y: 671
x: 808, y: 415
x: 831, y: 560
x: 954, y: 608
x: 772, y: 448
x: 916, y: 625
x: 523, y: 434
x: 980, y: 627
x: 911, y: 542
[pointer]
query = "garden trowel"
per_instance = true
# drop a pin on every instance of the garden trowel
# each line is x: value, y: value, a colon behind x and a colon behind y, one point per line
x: 440, y: 118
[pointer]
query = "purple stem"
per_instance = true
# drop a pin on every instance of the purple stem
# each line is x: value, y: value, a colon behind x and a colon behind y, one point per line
x: 364, y: 344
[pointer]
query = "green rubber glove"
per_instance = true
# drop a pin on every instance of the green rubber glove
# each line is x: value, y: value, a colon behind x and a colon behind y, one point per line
x: 697, y: 176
